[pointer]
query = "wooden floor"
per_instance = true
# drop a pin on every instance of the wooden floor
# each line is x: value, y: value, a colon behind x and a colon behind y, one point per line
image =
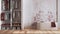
x: 28, y: 32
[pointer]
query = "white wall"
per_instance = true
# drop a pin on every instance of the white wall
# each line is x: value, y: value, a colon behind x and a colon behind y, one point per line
x: 45, y: 6
x: 59, y: 13
x: 0, y: 14
x: 27, y: 12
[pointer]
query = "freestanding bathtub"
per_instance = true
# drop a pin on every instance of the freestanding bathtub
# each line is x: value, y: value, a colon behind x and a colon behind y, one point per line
x: 46, y: 26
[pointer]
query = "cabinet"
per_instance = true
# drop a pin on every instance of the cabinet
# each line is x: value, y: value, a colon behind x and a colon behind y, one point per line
x: 11, y: 14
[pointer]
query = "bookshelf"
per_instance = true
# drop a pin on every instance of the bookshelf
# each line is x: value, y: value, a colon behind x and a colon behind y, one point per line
x: 11, y: 15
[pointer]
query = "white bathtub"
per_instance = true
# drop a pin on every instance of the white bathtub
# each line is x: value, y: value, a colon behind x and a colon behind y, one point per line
x: 46, y: 26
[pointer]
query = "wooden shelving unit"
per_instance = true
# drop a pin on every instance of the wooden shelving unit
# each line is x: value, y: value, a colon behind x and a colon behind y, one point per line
x: 11, y: 14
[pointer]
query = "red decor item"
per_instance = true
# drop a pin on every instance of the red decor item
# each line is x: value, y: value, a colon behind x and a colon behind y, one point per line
x: 6, y: 4
x: 53, y: 24
x: 2, y: 16
x: 6, y: 24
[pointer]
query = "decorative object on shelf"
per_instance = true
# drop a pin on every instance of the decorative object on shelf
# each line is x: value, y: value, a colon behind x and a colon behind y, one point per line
x: 7, y: 16
x: 16, y: 4
x: 16, y: 25
x: 6, y: 5
x: 16, y: 28
x: 53, y: 24
x: 16, y: 16
x: 5, y: 26
x: 2, y: 16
